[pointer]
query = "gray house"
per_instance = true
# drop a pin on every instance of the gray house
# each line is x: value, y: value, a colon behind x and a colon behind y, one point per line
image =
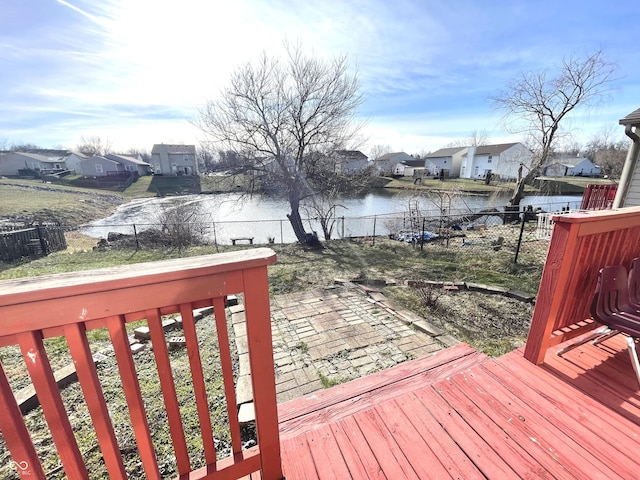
x: 98, y: 166
x: 386, y: 163
x: 131, y: 164
x: 174, y: 159
x: 12, y: 162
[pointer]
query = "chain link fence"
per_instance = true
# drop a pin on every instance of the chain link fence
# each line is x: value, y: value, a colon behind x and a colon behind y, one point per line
x: 483, y: 232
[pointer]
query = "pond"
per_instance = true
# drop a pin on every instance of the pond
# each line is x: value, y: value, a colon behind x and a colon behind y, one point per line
x: 232, y: 215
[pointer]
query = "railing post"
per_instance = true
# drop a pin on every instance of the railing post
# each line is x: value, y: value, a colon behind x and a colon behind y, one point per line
x: 258, y: 319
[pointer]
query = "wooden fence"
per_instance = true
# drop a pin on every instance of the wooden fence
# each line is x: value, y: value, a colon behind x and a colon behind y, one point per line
x: 31, y: 242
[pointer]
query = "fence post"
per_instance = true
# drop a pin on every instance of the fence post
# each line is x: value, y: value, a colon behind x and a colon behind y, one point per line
x: 373, y: 244
x: 343, y: 226
x: 281, y: 234
x: 524, y: 219
x: 135, y: 235
x: 422, y: 235
x: 43, y: 243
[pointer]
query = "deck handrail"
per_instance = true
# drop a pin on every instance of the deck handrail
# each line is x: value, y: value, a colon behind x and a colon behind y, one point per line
x: 70, y: 304
x: 581, y: 244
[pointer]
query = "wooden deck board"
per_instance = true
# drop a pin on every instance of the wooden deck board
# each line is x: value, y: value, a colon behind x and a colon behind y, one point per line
x: 573, y: 417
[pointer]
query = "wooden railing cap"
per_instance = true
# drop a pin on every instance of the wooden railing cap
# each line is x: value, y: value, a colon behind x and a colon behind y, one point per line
x: 36, y: 288
x: 596, y: 215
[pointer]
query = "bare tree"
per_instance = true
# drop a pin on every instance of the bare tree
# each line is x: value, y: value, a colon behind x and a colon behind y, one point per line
x: 538, y: 104
x: 93, y: 145
x: 608, y: 149
x: 145, y: 155
x: 286, y: 111
x: 475, y: 139
x: 379, y: 150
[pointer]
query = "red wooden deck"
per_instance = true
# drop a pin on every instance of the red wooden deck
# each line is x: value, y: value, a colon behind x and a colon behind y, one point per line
x: 459, y: 414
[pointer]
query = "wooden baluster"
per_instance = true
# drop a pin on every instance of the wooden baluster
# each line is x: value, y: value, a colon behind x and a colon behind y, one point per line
x: 54, y: 412
x: 131, y: 388
x: 227, y: 373
x: 199, y: 388
x: 256, y: 294
x: 168, y: 387
x: 15, y: 432
x: 90, y: 383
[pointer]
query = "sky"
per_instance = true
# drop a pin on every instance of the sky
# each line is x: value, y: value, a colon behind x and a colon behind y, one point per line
x: 136, y: 72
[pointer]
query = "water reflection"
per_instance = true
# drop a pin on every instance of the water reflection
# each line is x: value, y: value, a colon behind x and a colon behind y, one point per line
x: 232, y: 215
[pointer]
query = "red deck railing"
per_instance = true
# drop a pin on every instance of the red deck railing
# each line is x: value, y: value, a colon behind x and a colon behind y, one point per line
x: 581, y: 244
x: 68, y: 306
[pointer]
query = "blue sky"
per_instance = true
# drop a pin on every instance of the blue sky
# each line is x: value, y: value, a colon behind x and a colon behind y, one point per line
x: 135, y: 72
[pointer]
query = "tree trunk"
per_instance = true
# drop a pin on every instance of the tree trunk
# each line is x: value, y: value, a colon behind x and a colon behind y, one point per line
x: 296, y: 220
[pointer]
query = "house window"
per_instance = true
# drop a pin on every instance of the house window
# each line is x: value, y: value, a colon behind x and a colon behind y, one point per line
x: 99, y: 168
x: 489, y: 159
x: 158, y: 169
x: 129, y: 168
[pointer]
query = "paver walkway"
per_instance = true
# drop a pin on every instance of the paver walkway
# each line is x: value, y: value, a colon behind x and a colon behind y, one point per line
x: 332, y: 335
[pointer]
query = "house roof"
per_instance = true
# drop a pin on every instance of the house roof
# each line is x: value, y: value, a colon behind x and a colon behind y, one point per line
x: 389, y: 156
x: 445, y: 152
x: 174, y: 149
x: 413, y: 163
x: 37, y: 157
x: 354, y: 154
x: 632, y: 119
x: 127, y: 158
x: 493, y: 149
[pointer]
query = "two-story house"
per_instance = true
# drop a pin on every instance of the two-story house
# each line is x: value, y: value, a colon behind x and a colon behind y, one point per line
x: 174, y: 159
x: 502, y: 160
x: 448, y: 160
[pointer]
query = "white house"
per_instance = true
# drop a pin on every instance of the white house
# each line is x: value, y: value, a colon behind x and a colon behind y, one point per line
x: 384, y: 164
x: 572, y: 167
x: 501, y: 159
x: 584, y: 168
x: 447, y: 159
x: 12, y: 162
x: 407, y: 168
x: 174, y: 159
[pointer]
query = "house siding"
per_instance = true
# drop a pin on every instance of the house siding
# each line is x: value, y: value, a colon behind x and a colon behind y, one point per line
x: 99, y: 167
x: 174, y: 159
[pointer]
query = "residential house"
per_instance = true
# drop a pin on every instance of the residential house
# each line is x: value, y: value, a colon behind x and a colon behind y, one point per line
x: 584, y: 168
x: 628, y: 193
x: 447, y: 159
x: 98, y: 166
x: 349, y: 162
x: 131, y: 163
x: 572, y: 167
x: 73, y: 160
x: 557, y: 169
x: 406, y: 168
x: 174, y: 159
x: 15, y: 163
x: 502, y: 160
x: 385, y: 164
